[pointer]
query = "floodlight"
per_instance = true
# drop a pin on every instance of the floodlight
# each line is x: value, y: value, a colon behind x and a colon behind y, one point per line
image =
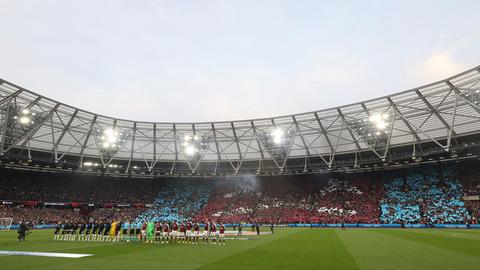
x: 190, y: 150
x: 110, y: 139
x: 193, y: 146
x: 375, y: 118
x: 381, y: 125
x: 24, y: 120
x: 277, y: 136
x: 378, y: 120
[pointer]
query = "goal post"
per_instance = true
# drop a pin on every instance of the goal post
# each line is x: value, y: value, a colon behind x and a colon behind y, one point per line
x: 5, y: 224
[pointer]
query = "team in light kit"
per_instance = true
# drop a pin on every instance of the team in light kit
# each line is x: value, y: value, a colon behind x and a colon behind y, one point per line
x: 185, y: 232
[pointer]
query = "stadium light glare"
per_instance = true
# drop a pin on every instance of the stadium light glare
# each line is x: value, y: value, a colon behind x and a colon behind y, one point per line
x: 193, y: 145
x: 110, y: 135
x: 25, y: 117
x: 90, y: 164
x: 379, y: 120
x: 277, y: 136
x: 110, y: 139
x: 190, y: 150
x: 24, y: 120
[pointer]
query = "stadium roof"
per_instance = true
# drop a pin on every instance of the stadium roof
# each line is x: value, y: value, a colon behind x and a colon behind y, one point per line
x: 433, y: 116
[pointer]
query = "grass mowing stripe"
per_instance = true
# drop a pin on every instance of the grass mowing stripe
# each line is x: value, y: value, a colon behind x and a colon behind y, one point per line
x: 129, y: 255
x: 283, y: 234
x: 307, y: 249
x: 288, y: 248
x: 444, y: 240
x: 376, y: 249
x: 450, y: 233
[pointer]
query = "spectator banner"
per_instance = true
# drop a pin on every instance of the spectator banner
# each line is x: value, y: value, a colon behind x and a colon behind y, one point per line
x: 450, y: 226
x: 30, y: 203
x: 75, y: 204
x: 54, y: 204
x: 415, y: 226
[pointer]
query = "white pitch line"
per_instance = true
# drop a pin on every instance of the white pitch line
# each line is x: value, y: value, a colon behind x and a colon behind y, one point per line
x: 60, y: 249
x: 44, y: 254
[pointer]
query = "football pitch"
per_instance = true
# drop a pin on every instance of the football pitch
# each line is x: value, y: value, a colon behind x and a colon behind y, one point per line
x: 288, y: 248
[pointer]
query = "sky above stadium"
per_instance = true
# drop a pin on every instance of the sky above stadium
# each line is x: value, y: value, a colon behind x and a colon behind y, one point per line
x: 227, y: 60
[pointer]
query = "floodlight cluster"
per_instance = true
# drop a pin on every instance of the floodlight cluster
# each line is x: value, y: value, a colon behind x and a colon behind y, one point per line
x: 473, y: 96
x: 25, y: 117
x: 276, y: 142
x: 193, y: 145
x: 110, y: 138
x: 373, y: 130
x: 379, y: 120
x: 275, y: 138
x: 19, y: 123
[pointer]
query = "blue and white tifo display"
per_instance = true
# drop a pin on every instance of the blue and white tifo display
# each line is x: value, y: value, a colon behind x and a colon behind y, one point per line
x: 436, y: 195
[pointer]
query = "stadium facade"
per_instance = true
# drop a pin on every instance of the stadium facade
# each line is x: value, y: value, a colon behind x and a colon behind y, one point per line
x: 435, y: 122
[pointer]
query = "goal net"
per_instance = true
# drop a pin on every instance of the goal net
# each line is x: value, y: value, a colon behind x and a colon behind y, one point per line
x: 5, y: 224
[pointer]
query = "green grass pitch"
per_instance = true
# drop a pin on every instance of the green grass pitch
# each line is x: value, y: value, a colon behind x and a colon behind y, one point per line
x: 286, y: 249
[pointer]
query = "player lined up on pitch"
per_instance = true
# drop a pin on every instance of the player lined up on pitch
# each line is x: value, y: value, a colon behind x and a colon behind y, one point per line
x: 188, y: 232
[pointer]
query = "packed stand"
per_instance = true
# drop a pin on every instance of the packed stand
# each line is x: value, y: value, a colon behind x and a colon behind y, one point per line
x: 178, y: 200
x: 49, y: 187
x: 294, y: 201
x: 423, y: 195
x: 428, y: 194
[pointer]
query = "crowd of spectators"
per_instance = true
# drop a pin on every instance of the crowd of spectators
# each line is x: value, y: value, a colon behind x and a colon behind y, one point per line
x: 37, y: 215
x: 49, y: 187
x: 315, y: 200
x: 423, y: 195
x: 124, y: 214
x: 177, y: 200
x: 427, y: 194
x: 470, y: 180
